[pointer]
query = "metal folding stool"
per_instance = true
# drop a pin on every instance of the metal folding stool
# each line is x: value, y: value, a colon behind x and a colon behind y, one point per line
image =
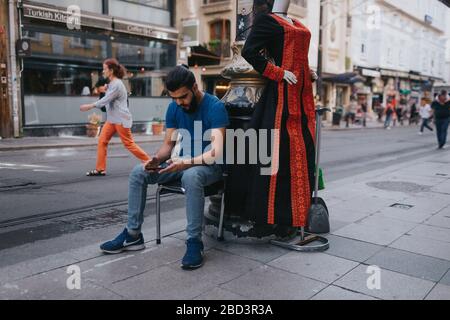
x: 176, y: 188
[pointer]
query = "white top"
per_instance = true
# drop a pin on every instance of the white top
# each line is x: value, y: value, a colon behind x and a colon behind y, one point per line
x: 116, y: 102
x: 425, y: 111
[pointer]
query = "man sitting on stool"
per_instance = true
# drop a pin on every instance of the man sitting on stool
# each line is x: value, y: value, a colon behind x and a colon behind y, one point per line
x: 191, y: 109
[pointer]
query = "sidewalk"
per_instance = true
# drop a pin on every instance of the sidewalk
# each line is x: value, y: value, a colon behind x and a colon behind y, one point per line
x: 370, y: 124
x: 410, y: 243
x: 27, y: 143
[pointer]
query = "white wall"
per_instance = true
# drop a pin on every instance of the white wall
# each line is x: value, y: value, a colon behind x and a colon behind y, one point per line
x: 397, y: 42
x: 420, y: 8
x: 312, y: 21
x: 334, y: 36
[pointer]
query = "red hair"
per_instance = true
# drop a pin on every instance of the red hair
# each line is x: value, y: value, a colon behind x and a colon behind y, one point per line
x: 118, y: 70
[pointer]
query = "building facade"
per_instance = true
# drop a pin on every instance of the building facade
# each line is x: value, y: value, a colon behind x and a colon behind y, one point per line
x: 399, y: 46
x: 69, y: 40
x: 337, y: 79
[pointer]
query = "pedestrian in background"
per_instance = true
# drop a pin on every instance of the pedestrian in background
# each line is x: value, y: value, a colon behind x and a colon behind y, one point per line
x: 425, y: 113
x: 364, y: 113
x: 401, y: 110
x: 351, y: 112
x: 379, y: 110
x: 413, y: 113
x: 118, y: 117
x: 389, y: 114
x: 441, y: 109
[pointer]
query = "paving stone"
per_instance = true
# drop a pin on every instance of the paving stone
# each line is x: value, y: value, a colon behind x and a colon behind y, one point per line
x: 317, y: 266
x: 171, y: 282
x: 220, y: 294
x: 108, y: 269
x: 393, y: 285
x: 441, y: 219
x: 412, y: 264
x: 263, y: 252
x: 336, y: 293
x: 424, y: 246
x: 351, y: 249
x: 267, y: 283
x: 446, y: 279
x: 440, y: 292
x: 376, y: 230
x: 431, y: 232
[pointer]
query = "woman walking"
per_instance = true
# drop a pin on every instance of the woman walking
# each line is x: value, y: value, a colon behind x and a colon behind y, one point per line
x: 118, y: 117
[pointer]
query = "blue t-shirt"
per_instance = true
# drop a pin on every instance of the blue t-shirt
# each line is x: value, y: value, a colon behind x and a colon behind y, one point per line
x: 196, y: 128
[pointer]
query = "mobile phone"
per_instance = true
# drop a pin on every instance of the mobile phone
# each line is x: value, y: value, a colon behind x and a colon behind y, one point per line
x: 154, y: 168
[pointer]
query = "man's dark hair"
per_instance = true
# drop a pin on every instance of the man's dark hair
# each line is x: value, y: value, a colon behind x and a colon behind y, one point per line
x: 180, y: 77
x: 443, y: 93
x: 101, y: 82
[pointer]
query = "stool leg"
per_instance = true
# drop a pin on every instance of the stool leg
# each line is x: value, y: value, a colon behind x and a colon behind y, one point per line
x: 222, y: 212
x: 158, y: 215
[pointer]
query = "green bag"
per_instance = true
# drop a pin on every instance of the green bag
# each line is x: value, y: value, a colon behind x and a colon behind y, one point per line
x: 321, y: 180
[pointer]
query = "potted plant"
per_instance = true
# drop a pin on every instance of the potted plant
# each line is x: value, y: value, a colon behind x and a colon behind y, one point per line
x: 93, y: 127
x: 157, y: 126
x: 215, y: 46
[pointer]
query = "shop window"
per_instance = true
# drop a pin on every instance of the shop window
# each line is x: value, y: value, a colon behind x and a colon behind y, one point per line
x: 66, y: 47
x: 163, y: 4
x: 148, y: 62
x: 46, y: 78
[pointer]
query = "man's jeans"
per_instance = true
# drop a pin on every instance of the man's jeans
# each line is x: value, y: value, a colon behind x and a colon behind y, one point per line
x: 193, y: 180
x: 387, y: 122
x: 425, y: 125
x: 441, y: 130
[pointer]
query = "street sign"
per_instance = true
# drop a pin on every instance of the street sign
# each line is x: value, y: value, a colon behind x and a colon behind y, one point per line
x: 23, y: 48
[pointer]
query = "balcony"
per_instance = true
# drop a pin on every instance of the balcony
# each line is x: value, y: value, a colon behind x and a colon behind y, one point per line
x: 220, y: 48
x: 217, y: 6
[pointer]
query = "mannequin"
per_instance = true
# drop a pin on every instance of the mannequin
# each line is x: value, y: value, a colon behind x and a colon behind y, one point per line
x: 280, y: 8
x: 277, y: 47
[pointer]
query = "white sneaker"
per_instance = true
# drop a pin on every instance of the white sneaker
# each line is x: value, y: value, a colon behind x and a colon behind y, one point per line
x: 420, y: 133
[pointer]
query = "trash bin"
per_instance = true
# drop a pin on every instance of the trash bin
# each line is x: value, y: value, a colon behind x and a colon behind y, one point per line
x: 337, y: 118
x: 337, y: 115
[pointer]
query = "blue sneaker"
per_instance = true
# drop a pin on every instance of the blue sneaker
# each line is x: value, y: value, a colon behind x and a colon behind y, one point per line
x: 123, y: 242
x: 193, y: 258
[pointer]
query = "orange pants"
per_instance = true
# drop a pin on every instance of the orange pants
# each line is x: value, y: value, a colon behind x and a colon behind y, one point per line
x: 108, y: 130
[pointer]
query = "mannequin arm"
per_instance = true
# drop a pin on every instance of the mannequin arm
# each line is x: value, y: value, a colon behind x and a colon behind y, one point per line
x: 263, y: 32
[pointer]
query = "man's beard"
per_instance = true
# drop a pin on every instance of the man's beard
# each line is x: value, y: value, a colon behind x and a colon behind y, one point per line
x: 194, y: 104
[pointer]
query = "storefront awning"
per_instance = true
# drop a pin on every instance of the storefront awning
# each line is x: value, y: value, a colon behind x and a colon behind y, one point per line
x: 145, y: 30
x: 345, y: 78
x: 394, y: 74
x: 56, y: 14
x: 73, y: 21
x: 201, y: 56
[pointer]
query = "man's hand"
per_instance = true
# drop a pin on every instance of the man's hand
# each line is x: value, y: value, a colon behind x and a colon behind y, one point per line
x: 152, y: 164
x: 86, y: 107
x: 175, y: 166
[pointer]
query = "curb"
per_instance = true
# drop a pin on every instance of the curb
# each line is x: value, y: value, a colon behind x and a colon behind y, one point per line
x: 62, y: 146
